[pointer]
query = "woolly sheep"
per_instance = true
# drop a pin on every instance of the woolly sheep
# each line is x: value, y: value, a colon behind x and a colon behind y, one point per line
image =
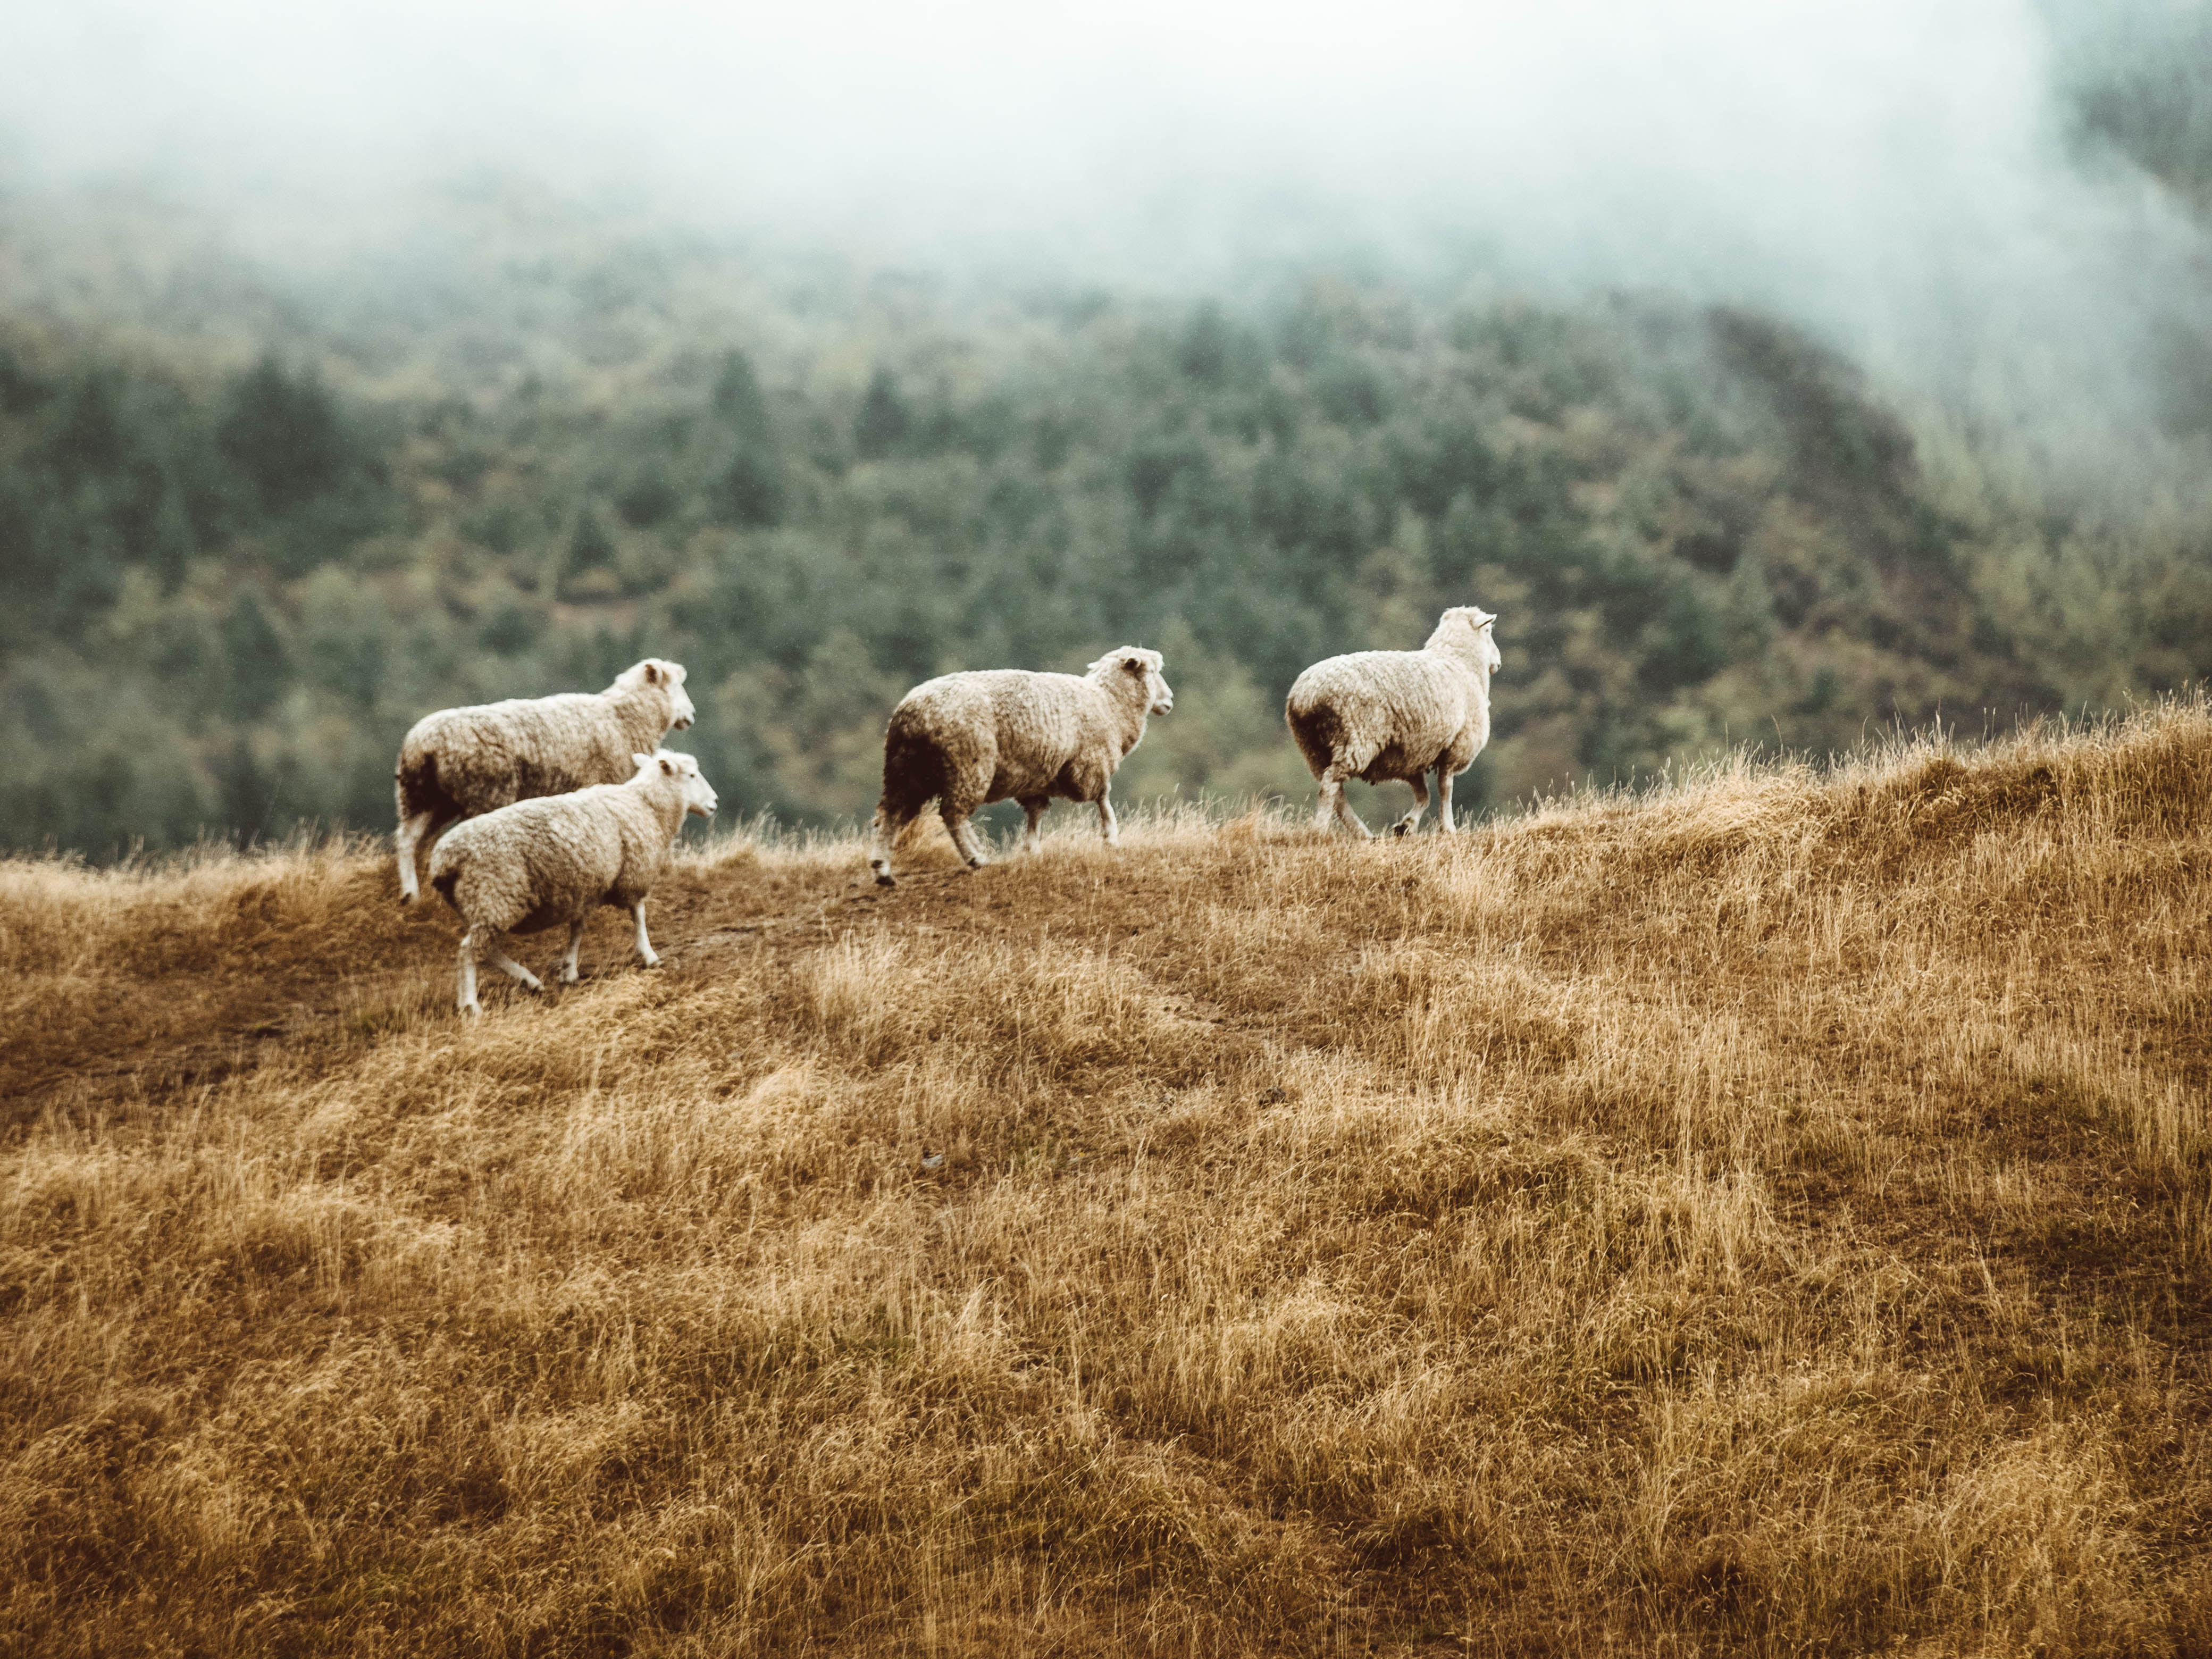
x: 556, y: 858
x: 1007, y: 734
x: 1385, y: 715
x: 462, y: 762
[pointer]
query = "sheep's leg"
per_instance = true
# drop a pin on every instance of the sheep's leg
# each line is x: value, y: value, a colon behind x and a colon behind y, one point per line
x: 644, y: 944
x: 1108, y: 825
x: 506, y: 965
x: 469, y: 1005
x: 1034, y: 806
x: 965, y: 840
x: 1404, y: 825
x: 1334, y: 805
x: 971, y: 845
x: 1344, y: 811
x: 568, y: 973
x: 1444, y: 798
x: 412, y: 828
x: 883, y: 833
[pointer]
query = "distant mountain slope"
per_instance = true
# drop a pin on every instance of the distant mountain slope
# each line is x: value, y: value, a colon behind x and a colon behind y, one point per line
x: 234, y: 575
x: 1766, y: 1216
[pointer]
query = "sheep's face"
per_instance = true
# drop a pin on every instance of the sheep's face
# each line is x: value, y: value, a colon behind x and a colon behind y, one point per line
x: 699, y: 797
x: 1474, y: 624
x: 1143, y: 667
x: 658, y: 671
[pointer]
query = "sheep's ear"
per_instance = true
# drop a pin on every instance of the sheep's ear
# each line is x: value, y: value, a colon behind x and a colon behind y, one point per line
x: 1134, y: 663
x: 652, y: 673
x: 667, y: 767
x: 641, y: 761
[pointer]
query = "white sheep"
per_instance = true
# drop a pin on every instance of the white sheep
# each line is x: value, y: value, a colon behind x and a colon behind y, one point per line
x: 462, y: 761
x: 1385, y: 715
x: 1008, y: 734
x: 530, y: 865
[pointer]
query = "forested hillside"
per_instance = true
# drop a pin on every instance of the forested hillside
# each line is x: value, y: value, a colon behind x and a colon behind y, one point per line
x: 233, y: 581
x: 269, y: 492
x: 259, y: 512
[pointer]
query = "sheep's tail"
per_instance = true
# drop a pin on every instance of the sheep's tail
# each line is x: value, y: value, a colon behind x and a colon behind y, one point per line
x: 417, y: 782
x: 445, y: 881
x: 1318, y: 730
x: 914, y: 772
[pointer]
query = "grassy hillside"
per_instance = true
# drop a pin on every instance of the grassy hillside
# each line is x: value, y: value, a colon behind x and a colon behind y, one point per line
x: 1767, y: 1216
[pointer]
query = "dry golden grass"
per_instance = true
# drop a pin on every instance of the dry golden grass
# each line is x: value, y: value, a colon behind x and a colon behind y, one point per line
x: 1769, y: 1216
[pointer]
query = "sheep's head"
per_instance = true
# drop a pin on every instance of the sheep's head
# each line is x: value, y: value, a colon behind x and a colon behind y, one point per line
x: 699, y: 798
x: 1143, y: 667
x: 1468, y: 627
x: 659, y: 671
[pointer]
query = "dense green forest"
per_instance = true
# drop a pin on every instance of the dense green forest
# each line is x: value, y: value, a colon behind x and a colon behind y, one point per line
x: 226, y: 597
x: 245, y: 542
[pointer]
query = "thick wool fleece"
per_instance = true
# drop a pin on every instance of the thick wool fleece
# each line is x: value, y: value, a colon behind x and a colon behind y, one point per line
x: 1396, y: 715
x: 462, y: 762
x: 989, y: 735
x: 539, y: 863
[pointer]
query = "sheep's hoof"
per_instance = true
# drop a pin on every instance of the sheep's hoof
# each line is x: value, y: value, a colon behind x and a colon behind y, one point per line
x: 406, y: 899
x: 883, y: 878
x: 1402, y: 828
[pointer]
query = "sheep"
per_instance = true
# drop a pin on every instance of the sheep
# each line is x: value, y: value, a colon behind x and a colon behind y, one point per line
x: 1007, y: 733
x: 462, y: 762
x: 556, y: 858
x: 1383, y: 715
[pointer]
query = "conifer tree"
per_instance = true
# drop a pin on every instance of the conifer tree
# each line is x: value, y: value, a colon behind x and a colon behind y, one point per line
x: 254, y: 654
x: 883, y: 421
x: 285, y: 435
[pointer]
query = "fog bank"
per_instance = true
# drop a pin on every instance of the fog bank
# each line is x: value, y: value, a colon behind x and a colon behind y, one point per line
x: 1897, y: 175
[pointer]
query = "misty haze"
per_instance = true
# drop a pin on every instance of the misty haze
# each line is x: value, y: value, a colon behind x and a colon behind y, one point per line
x: 1776, y: 377
x: 1779, y: 376
x: 1788, y: 1067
